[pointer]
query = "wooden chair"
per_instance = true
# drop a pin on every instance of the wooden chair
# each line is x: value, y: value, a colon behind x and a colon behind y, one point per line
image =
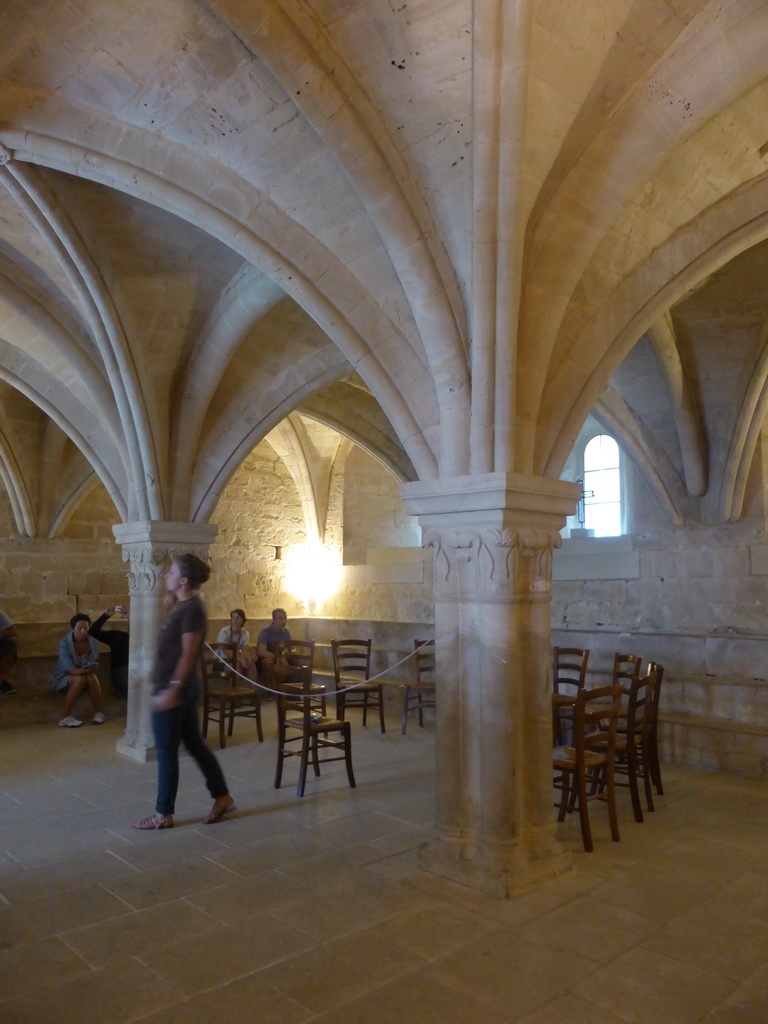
x: 302, y: 730
x: 587, y: 766
x: 632, y: 751
x: 351, y: 666
x: 421, y: 694
x: 569, y: 673
x: 626, y: 668
x: 653, y: 738
x: 224, y: 699
x: 301, y: 657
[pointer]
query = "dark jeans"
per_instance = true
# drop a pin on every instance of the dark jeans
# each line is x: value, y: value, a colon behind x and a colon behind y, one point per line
x: 180, y: 725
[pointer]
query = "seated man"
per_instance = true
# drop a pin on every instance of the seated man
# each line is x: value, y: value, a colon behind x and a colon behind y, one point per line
x: 267, y: 662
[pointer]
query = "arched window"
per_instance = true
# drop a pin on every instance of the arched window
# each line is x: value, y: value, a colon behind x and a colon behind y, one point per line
x: 602, y: 486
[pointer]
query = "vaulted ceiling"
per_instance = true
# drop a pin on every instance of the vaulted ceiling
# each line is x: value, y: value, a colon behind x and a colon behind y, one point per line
x: 447, y: 230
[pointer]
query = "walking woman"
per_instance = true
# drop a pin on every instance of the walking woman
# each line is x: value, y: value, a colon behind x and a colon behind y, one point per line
x: 175, y: 695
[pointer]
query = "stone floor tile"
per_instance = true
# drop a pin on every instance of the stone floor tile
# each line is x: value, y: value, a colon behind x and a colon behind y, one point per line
x: 57, y: 914
x: 413, y: 998
x: 238, y: 1002
x: 269, y: 852
x: 168, y: 882
x: 714, y: 937
x: 22, y: 967
x: 109, y: 995
x: 194, y: 965
x: 748, y: 894
x: 138, y: 933
x: 346, y: 888
x: 649, y: 988
x: 434, y: 929
x: 36, y: 848
x: 511, y: 977
x: 701, y: 860
x: 359, y: 828
x: 747, y: 1004
x: 21, y: 885
x: 578, y: 924
x: 570, y: 1009
x: 654, y: 894
x: 152, y: 849
x: 253, y: 895
x: 335, y: 973
x: 329, y: 917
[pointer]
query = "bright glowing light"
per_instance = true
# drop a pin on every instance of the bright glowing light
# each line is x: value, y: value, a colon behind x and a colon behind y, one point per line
x: 312, y: 573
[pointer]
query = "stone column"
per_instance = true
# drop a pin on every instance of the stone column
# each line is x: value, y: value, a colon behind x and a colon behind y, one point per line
x: 149, y: 547
x: 493, y: 537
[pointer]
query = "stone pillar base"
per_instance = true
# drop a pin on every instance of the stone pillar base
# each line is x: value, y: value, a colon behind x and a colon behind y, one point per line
x: 502, y: 872
x: 138, y: 750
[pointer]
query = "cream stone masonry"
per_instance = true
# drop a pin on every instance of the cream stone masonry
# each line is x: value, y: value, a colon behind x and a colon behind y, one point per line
x: 492, y: 539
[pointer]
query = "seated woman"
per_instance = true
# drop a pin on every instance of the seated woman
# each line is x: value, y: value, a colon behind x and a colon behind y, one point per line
x: 235, y: 634
x: 75, y: 672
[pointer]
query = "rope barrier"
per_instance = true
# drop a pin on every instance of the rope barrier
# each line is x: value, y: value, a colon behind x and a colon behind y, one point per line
x: 332, y: 694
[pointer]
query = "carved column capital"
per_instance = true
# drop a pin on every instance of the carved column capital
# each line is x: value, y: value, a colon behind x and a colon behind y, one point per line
x: 148, y: 547
x: 493, y: 535
x: 491, y: 564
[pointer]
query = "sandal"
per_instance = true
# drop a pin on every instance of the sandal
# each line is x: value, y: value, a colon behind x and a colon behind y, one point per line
x: 153, y: 823
x: 217, y: 813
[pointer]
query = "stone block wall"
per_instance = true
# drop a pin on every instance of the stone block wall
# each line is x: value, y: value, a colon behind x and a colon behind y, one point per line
x: 366, y: 531
x: 46, y: 580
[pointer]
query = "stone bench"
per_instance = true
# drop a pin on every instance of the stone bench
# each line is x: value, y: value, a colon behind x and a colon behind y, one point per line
x: 716, y: 744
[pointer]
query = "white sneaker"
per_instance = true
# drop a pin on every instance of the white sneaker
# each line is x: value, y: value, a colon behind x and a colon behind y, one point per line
x: 70, y: 722
x: 98, y: 718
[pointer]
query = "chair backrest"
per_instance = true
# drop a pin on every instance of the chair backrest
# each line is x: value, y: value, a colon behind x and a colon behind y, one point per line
x: 227, y: 651
x: 569, y: 668
x: 214, y: 666
x: 425, y: 662
x: 654, y: 667
x: 209, y: 662
x: 640, y: 706
x: 351, y: 661
x: 301, y: 655
x: 626, y: 668
x: 596, y: 728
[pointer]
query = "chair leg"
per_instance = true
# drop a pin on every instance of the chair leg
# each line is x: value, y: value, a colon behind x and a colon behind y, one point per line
x: 222, y: 724
x: 231, y: 718
x: 347, y: 736
x: 341, y: 705
x: 280, y: 748
x: 611, y: 798
x: 365, y: 708
x: 315, y: 757
x: 655, y: 765
x: 646, y: 766
x: 632, y: 775
x: 257, y: 709
x: 303, y: 764
x: 420, y: 706
x: 565, y: 789
x: 381, y: 708
x: 404, y: 722
x: 206, y: 714
x: 580, y: 786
